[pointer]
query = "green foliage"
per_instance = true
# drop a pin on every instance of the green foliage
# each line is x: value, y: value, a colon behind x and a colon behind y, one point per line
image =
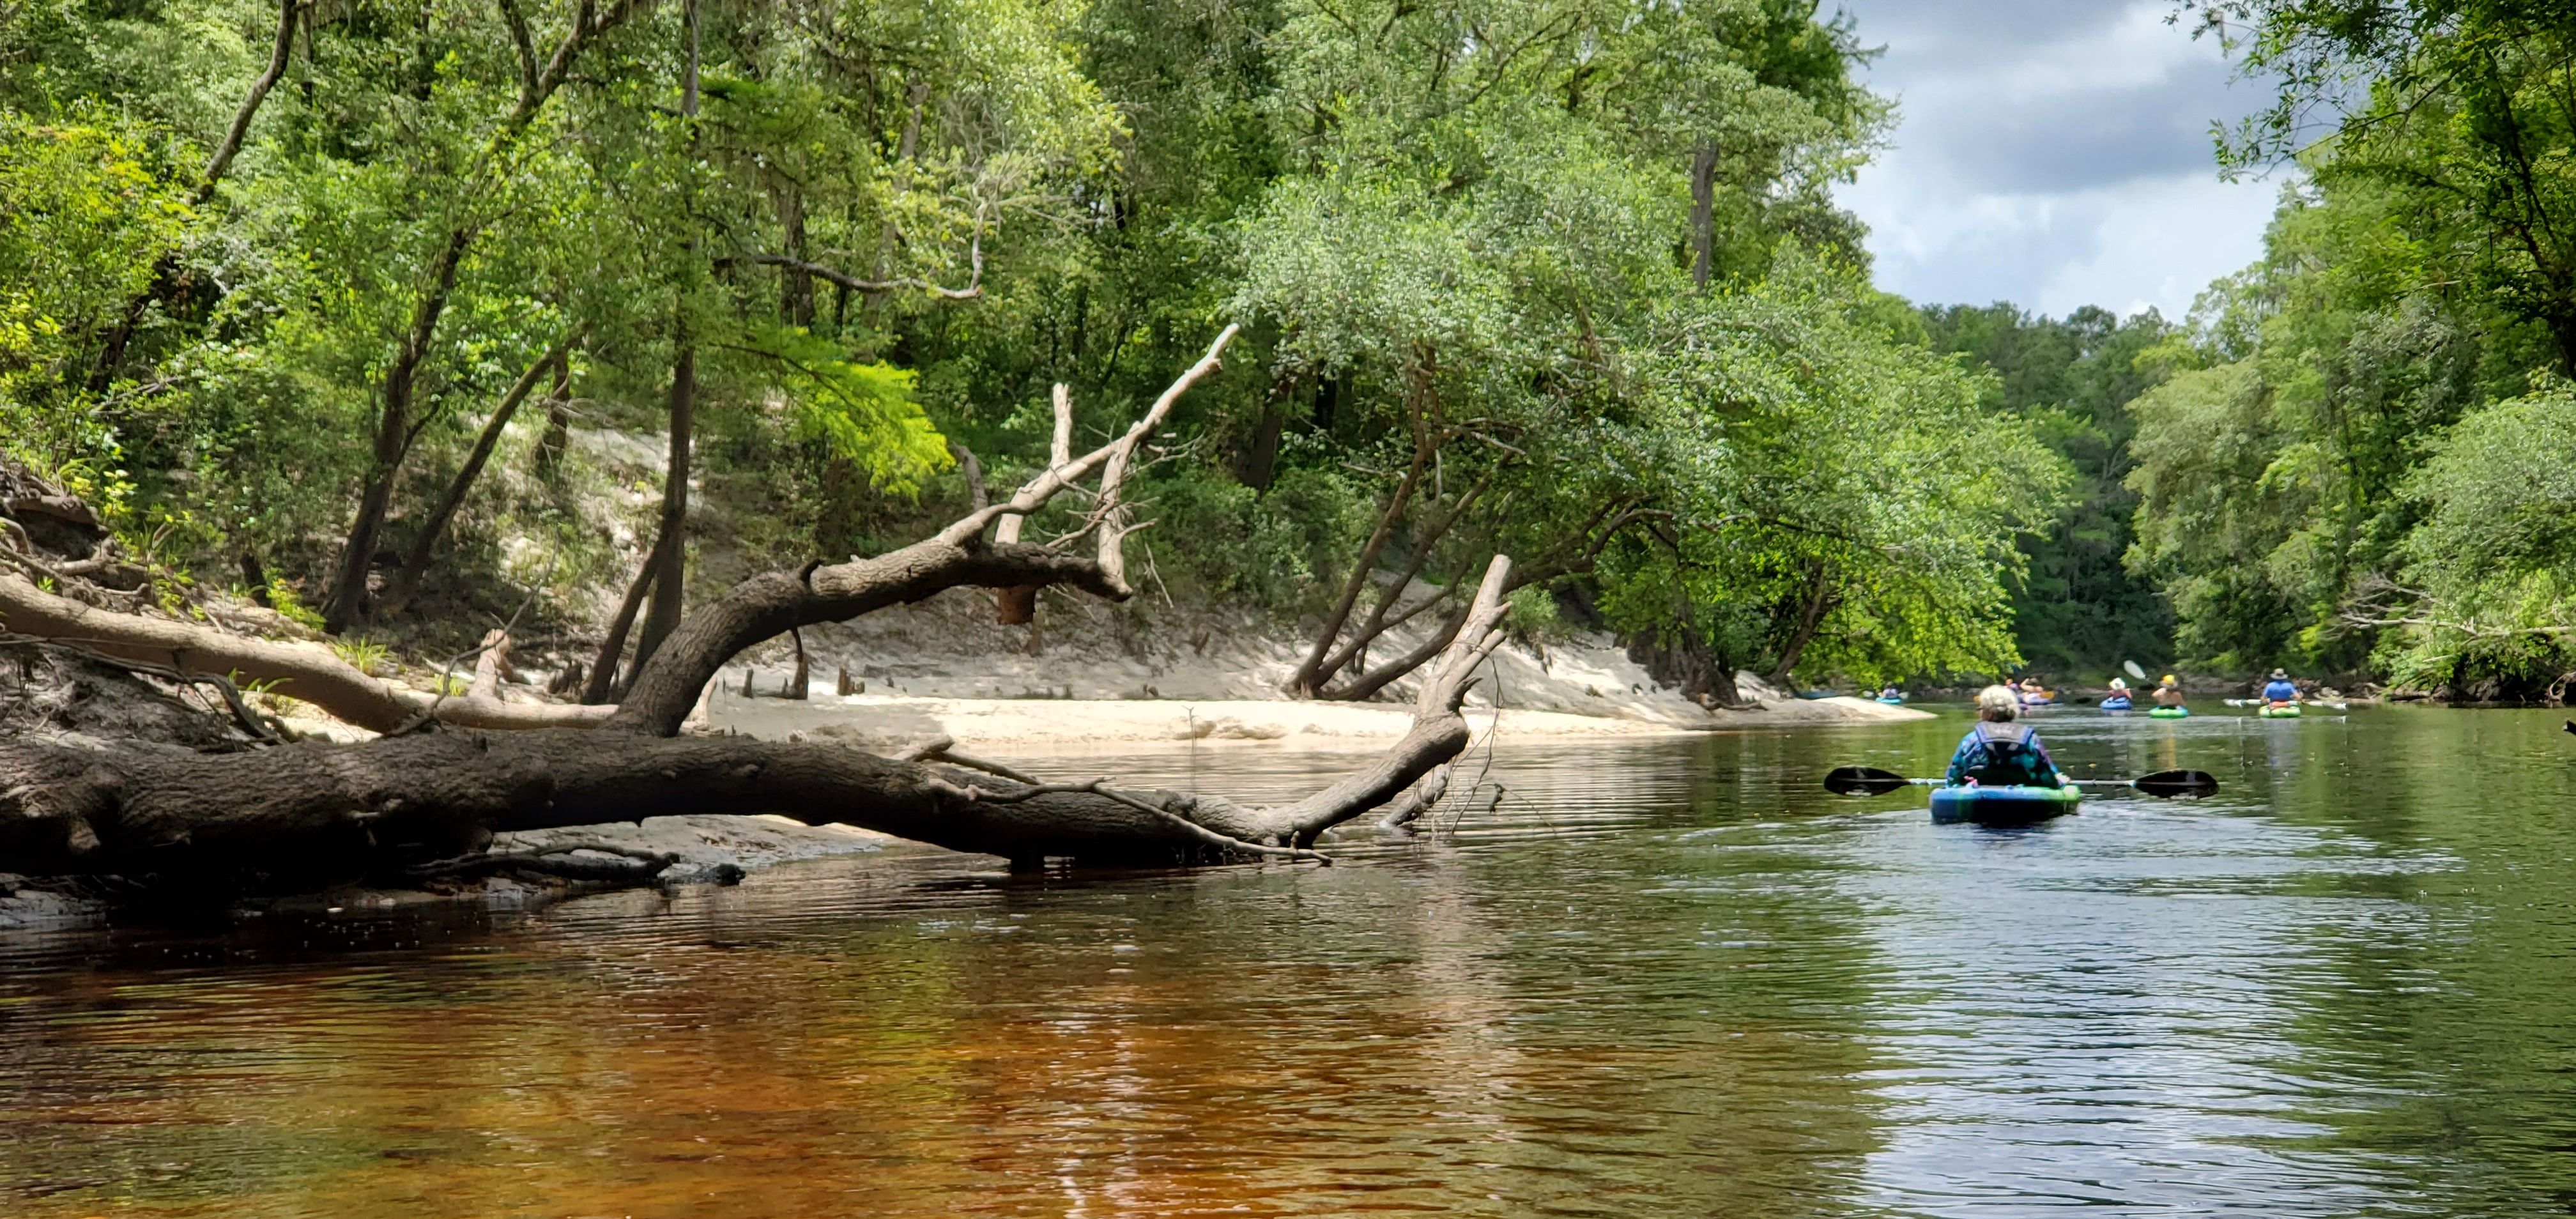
x: 2271, y: 468
x: 1463, y: 234
x: 1852, y: 491
x: 2464, y: 111
x: 87, y: 211
x: 862, y: 413
x: 289, y: 604
x: 2487, y: 592
x: 363, y: 654
x: 2077, y: 607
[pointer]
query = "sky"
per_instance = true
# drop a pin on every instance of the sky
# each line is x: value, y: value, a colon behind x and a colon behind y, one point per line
x: 2053, y: 153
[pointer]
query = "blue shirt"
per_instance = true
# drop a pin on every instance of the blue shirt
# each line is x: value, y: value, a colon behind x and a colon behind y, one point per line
x: 2028, y: 765
x: 2281, y: 692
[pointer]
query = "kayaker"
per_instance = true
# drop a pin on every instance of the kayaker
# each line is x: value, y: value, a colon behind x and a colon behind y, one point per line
x: 2279, y: 691
x: 2169, y: 692
x: 2119, y: 696
x: 2119, y: 687
x: 1999, y: 751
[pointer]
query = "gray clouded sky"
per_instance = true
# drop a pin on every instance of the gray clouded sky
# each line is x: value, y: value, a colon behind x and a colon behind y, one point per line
x: 2053, y: 153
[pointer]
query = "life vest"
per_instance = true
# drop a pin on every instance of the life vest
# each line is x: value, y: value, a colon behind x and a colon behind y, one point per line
x: 2010, y: 760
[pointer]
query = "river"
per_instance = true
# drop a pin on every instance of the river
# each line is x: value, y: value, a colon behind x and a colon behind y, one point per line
x: 1671, y: 978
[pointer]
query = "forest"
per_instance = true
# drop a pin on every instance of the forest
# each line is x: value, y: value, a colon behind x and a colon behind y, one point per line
x: 355, y: 311
x: 408, y: 324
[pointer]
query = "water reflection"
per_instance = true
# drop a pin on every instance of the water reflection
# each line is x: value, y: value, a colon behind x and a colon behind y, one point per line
x: 1651, y: 980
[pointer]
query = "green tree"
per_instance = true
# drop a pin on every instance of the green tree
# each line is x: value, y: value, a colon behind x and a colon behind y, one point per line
x: 2077, y: 607
x: 2463, y: 111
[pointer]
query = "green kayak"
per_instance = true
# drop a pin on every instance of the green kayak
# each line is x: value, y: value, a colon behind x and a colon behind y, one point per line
x: 2170, y: 713
x: 2002, y: 804
x: 2279, y: 713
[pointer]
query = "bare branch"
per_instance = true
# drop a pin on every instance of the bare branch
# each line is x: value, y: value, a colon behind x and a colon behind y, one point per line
x: 1059, y: 455
x: 222, y: 160
x: 1045, y: 486
x: 973, y: 290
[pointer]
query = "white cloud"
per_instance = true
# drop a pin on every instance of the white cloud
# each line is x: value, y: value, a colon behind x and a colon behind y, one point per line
x: 2053, y: 155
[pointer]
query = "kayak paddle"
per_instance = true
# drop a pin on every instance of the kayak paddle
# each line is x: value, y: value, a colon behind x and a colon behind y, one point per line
x: 1869, y: 781
x: 2134, y: 670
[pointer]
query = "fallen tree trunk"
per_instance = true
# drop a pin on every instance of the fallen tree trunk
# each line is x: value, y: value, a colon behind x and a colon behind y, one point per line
x: 314, y: 812
x: 310, y: 672
x: 438, y: 787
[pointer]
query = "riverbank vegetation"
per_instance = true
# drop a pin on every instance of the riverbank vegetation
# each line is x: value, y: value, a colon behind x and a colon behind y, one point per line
x: 645, y: 333
x: 408, y: 319
x: 395, y: 312
x: 2350, y: 458
x: 2351, y: 464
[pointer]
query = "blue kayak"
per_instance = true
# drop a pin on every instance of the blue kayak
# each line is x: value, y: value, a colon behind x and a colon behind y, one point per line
x: 2115, y: 704
x: 2002, y: 805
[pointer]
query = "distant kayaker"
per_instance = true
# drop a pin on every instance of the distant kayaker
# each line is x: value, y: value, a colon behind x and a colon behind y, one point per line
x: 1999, y: 751
x: 2169, y: 692
x: 2119, y: 687
x: 2279, y: 691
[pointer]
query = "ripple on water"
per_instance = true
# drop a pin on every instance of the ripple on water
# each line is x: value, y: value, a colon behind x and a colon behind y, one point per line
x: 1629, y: 979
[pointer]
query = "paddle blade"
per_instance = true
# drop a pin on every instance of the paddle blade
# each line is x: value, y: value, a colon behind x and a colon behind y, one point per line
x: 2177, y: 783
x: 2134, y: 670
x: 1863, y: 781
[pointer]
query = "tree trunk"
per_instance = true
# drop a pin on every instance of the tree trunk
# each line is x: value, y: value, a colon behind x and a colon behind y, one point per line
x: 1256, y: 463
x: 312, y: 813
x: 1703, y: 214
x: 1378, y: 622
x: 1811, y: 618
x: 394, y: 431
x: 406, y: 579
x: 557, y: 438
x: 670, y: 561
x: 1688, y: 663
x: 1308, y: 680
x: 670, y: 549
x: 112, y: 353
x: 795, y: 284
x: 222, y: 160
x: 345, y: 600
x: 308, y: 672
x: 602, y: 686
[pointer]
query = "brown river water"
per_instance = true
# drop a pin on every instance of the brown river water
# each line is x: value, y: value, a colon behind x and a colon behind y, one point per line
x: 1666, y: 978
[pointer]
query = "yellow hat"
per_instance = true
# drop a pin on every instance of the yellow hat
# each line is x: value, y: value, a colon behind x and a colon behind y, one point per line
x: 2169, y: 679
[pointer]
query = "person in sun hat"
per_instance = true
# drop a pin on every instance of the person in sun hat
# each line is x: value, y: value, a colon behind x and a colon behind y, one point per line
x: 2279, y: 691
x: 2001, y: 751
x: 2169, y: 692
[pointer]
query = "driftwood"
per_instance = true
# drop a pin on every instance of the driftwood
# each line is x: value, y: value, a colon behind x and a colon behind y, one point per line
x: 451, y: 776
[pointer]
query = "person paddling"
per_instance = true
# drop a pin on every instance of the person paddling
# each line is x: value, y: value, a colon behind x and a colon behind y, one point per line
x: 2279, y: 691
x: 1998, y: 751
x: 2169, y: 692
x: 2119, y: 692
